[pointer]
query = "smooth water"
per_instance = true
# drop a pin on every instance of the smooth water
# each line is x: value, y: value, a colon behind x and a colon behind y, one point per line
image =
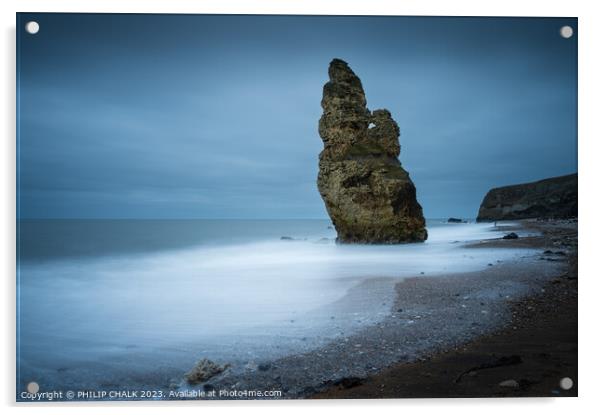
x: 173, y: 289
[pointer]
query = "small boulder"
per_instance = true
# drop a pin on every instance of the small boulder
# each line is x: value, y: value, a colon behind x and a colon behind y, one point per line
x: 511, y: 235
x: 204, y: 370
x: 454, y: 220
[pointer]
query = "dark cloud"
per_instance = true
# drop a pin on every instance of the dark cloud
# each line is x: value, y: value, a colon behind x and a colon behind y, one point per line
x: 216, y: 116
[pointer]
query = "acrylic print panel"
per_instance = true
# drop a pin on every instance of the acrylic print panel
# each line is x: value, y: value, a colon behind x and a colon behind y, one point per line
x: 285, y: 207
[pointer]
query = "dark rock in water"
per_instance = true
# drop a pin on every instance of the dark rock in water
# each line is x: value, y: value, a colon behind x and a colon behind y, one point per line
x: 511, y: 235
x: 549, y: 198
x: 286, y: 238
x: 370, y: 198
x: 455, y: 220
x: 550, y: 252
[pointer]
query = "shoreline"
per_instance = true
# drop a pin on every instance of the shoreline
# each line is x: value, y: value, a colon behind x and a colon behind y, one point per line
x: 402, y: 322
x: 430, y: 316
x: 525, y: 356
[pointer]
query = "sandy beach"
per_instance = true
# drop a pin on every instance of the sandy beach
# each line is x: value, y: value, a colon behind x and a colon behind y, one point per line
x: 532, y: 349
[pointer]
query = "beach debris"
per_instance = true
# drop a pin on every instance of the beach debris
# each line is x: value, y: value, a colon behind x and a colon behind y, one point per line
x: 369, y: 197
x: 510, y: 235
x: 510, y: 383
x: 204, y: 370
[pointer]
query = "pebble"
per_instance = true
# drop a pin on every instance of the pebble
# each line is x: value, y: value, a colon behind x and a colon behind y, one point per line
x: 510, y: 383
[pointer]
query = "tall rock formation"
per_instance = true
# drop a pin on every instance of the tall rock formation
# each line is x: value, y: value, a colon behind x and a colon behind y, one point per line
x: 368, y: 195
x: 550, y: 198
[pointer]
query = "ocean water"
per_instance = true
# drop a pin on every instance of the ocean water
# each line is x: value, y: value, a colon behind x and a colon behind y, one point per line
x: 108, y: 302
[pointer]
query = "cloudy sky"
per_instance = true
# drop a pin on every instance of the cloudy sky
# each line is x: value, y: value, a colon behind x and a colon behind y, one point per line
x: 183, y: 116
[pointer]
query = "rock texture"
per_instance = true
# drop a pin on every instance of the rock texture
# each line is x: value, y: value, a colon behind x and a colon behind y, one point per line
x: 368, y: 195
x: 204, y: 370
x: 550, y: 198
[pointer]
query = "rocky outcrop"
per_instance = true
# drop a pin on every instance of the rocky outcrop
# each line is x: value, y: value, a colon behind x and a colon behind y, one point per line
x: 368, y: 195
x: 549, y: 198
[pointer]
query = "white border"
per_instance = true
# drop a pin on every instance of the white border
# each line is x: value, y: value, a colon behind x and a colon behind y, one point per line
x: 590, y: 158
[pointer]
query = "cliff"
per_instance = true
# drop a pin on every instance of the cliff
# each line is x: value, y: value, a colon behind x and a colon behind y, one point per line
x: 368, y: 195
x: 550, y: 198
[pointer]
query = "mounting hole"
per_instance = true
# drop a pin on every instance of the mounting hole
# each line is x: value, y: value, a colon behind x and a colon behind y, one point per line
x: 566, y: 32
x: 33, y: 387
x: 566, y: 383
x: 32, y: 27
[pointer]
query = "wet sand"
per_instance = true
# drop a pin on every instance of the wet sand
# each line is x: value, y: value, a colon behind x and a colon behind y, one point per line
x: 527, y: 355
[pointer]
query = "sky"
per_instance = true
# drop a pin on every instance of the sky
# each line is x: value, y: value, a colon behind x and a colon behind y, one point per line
x: 201, y: 116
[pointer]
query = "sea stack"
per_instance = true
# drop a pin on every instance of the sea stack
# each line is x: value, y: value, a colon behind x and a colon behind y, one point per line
x: 368, y: 195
